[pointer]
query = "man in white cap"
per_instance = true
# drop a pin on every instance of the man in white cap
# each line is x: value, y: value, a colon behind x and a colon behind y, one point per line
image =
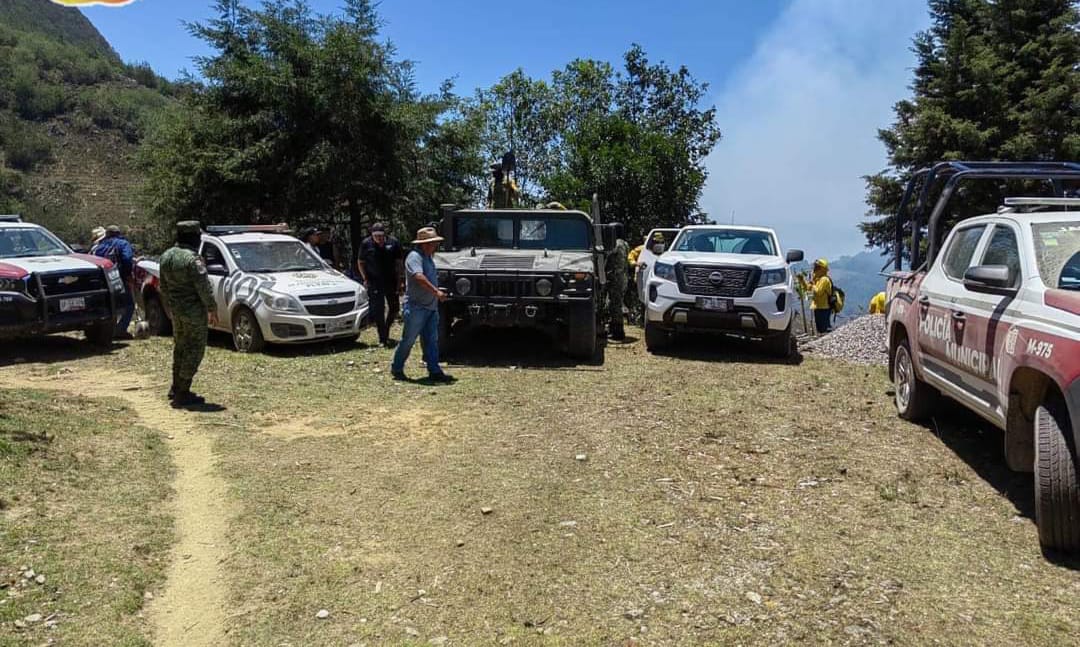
x: 420, y: 310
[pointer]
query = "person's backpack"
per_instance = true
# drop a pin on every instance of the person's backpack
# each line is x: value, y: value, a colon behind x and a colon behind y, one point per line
x: 110, y: 250
x: 836, y: 300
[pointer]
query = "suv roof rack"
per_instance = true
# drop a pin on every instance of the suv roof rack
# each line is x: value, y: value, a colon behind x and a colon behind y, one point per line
x: 225, y: 230
x: 10, y: 218
x: 925, y: 179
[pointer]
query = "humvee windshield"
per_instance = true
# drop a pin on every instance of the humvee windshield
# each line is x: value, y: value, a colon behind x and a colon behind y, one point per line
x: 527, y: 231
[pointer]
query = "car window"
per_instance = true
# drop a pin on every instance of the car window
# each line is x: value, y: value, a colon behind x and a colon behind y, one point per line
x: 1004, y: 250
x: 961, y: 251
x: 212, y: 255
x: 1057, y: 251
x: 20, y: 242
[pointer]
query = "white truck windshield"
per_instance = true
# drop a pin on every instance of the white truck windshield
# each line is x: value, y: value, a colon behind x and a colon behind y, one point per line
x: 274, y: 256
x: 24, y: 242
x: 726, y: 241
x: 1057, y: 251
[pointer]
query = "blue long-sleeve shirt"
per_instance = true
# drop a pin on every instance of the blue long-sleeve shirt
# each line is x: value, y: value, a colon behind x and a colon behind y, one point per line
x: 118, y: 250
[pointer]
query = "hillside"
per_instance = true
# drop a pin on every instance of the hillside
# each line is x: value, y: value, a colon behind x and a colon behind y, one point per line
x: 71, y: 117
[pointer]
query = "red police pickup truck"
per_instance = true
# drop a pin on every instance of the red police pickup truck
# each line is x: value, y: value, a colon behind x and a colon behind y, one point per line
x: 992, y: 321
x: 45, y: 287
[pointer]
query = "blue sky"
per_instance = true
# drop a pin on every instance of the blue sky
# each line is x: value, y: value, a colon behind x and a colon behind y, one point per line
x: 800, y: 85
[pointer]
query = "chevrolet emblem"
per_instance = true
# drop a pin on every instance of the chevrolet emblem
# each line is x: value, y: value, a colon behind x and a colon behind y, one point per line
x: 68, y: 280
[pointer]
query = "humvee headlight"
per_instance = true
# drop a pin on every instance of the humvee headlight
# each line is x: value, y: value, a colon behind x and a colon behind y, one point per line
x: 463, y: 286
x: 543, y: 287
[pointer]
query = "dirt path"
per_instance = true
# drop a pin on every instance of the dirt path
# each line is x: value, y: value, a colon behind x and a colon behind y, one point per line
x: 190, y: 611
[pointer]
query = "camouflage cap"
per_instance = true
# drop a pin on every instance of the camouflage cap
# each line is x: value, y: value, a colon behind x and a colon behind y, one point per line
x: 188, y: 227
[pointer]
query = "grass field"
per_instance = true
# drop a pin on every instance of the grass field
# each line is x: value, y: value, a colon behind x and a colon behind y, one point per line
x: 706, y: 497
x: 81, y: 497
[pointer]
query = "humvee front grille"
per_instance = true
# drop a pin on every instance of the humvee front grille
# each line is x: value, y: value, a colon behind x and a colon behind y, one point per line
x: 506, y: 287
x: 506, y: 262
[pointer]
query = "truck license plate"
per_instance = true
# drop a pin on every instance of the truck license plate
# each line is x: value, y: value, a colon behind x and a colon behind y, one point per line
x: 72, y: 305
x: 715, y: 303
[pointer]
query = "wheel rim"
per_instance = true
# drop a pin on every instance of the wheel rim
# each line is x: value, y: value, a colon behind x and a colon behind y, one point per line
x: 243, y: 333
x: 905, y: 378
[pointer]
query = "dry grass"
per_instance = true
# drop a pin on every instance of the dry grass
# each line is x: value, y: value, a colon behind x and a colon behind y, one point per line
x: 81, y: 491
x: 723, y: 500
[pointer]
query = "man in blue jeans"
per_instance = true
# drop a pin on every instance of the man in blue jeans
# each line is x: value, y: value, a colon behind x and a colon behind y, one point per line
x: 421, y: 308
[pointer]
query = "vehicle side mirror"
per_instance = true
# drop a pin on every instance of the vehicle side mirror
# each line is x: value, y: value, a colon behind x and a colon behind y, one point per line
x: 217, y: 270
x: 607, y: 235
x: 795, y: 256
x: 658, y: 248
x: 992, y: 279
x: 79, y: 249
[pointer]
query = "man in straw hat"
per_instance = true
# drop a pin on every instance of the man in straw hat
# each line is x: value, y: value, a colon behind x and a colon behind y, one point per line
x: 420, y: 310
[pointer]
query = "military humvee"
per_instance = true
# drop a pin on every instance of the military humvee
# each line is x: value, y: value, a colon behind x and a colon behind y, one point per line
x: 526, y: 268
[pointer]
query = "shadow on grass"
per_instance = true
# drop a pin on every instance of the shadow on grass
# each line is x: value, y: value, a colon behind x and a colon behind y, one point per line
x: 979, y: 444
x: 721, y: 348
x: 224, y: 341
x: 521, y: 347
x: 51, y: 349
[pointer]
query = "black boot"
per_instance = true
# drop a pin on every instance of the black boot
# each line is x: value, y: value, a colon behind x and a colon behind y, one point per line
x: 183, y: 397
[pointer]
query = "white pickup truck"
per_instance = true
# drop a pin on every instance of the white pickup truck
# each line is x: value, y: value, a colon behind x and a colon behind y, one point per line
x: 723, y: 279
x: 269, y: 287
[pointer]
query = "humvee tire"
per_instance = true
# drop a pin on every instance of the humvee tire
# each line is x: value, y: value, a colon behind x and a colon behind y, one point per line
x: 583, y: 340
x: 1057, y: 479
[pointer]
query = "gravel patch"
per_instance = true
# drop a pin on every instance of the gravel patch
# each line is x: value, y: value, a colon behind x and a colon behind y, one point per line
x: 859, y: 341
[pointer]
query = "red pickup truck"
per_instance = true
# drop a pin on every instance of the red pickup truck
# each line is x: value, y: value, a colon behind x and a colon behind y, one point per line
x: 992, y: 321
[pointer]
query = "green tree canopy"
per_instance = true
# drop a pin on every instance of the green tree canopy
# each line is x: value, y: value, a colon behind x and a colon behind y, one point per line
x: 638, y: 137
x: 994, y: 80
x: 307, y: 118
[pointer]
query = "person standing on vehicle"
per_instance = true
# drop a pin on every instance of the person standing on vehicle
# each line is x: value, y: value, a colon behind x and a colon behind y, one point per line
x: 380, y: 266
x: 117, y: 249
x: 421, y: 311
x: 616, y: 267
x: 820, y: 289
x: 502, y: 190
x: 190, y: 299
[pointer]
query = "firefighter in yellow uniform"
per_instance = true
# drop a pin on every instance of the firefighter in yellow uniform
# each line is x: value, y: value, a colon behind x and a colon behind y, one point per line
x: 820, y: 289
x: 877, y: 304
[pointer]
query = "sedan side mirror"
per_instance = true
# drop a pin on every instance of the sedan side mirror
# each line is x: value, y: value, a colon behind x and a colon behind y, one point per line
x: 658, y: 249
x: 991, y: 279
x: 795, y: 256
x: 217, y: 270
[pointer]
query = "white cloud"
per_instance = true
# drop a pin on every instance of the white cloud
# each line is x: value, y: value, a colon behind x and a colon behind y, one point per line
x: 800, y: 120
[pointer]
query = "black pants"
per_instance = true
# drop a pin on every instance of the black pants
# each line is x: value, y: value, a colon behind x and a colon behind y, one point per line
x: 384, y: 308
x: 823, y: 320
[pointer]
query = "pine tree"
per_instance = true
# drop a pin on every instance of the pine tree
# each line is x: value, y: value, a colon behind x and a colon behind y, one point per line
x: 994, y: 80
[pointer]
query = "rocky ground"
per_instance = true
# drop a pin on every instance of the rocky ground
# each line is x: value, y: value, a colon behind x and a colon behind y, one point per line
x: 860, y: 341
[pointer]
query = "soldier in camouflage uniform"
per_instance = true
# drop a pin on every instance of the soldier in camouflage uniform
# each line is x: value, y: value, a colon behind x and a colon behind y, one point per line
x: 190, y: 300
x: 615, y: 268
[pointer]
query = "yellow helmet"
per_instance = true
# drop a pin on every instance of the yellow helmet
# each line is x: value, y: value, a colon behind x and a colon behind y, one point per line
x: 822, y: 263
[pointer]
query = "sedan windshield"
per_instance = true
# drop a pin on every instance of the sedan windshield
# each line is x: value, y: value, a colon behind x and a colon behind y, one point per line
x: 1057, y: 251
x: 726, y: 241
x: 274, y: 256
x: 29, y: 241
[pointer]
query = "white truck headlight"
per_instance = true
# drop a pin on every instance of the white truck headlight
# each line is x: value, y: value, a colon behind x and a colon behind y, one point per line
x: 13, y: 285
x: 772, y: 277
x: 664, y: 271
x: 361, y: 297
x: 280, y: 302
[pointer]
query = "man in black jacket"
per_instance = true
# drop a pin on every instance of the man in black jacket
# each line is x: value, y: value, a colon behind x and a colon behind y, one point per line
x: 380, y: 265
